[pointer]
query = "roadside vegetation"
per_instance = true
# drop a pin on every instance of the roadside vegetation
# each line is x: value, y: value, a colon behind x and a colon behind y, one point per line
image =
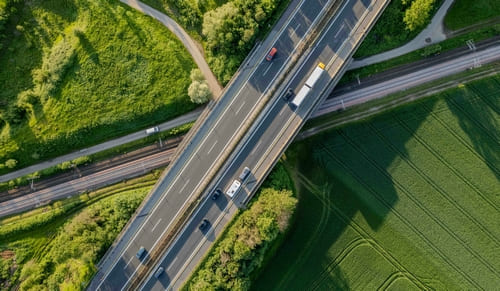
x: 227, y: 29
x: 76, y: 73
x: 97, y: 157
x: 464, y: 13
x: 408, y: 198
x: 429, y: 51
x: 238, y: 253
x: 400, y: 22
x: 56, y: 247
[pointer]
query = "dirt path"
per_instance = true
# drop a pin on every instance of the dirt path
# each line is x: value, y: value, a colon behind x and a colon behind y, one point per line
x: 186, y: 40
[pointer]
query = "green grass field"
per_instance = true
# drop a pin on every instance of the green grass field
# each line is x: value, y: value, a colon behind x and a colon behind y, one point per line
x: 83, y: 72
x: 467, y: 12
x: 407, y: 200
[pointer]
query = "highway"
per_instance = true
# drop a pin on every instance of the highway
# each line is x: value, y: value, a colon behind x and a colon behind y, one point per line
x: 207, y: 148
x: 265, y: 141
x: 351, y: 97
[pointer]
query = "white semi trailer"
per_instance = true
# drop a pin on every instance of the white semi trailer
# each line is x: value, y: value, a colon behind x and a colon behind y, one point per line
x: 308, y: 85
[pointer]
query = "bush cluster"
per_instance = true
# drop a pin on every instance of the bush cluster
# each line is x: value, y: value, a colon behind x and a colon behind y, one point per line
x: 230, y: 32
x: 242, y: 248
x: 69, y: 260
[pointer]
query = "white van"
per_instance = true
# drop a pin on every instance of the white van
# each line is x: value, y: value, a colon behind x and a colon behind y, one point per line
x: 234, y: 188
x: 152, y: 130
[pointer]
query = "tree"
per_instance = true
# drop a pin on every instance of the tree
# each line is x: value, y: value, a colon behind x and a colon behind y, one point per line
x: 198, y: 91
x: 418, y: 14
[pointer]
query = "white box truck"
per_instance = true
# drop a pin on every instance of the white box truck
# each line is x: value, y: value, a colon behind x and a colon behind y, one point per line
x: 304, y: 91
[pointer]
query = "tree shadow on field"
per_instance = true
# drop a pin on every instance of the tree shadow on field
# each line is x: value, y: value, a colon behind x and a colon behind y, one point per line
x: 89, y: 49
x: 478, y: 116
x: 66, y: 9
x: 340, y: 174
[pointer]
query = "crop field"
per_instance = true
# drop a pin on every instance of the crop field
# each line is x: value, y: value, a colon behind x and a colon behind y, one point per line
x: 407, y: 200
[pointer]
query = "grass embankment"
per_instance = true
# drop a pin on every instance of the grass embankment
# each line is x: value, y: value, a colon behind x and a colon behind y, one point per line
x: 468, y: 12
x: 239, y: 252
x: 57, y: 247
x: 227, y: 29
x: 390, y: 31
x: 405, y: 200
x: 75, y: 73
x: 444, y: 46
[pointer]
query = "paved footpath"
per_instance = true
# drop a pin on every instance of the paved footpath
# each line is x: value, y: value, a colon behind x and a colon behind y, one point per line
x: 186, y: 40
x: 432, y: 34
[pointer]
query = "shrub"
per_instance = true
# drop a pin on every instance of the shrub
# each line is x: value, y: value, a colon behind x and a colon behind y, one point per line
x: 11, y: 163
x: 241, y: 250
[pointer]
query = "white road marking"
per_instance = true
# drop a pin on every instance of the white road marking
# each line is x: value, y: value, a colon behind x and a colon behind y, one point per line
x: 338, y: 32
x: 185, y: 184
x: 156, y: 225
x: 265, y: 72
x: 172, y: 263
x: 241, y: 106
x: 126, y: 265
x: 296, y: 27
x: 255, y: 148
x: 211, y: 148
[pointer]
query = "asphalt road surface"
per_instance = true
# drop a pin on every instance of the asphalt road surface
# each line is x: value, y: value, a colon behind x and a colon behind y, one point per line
x: 190, y: 170
x: 264, y: 144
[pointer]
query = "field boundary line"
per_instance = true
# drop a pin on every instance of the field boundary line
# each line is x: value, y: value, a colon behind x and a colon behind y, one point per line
x: 426, y: 177
x: 400, y: 216
x: 365, y: 235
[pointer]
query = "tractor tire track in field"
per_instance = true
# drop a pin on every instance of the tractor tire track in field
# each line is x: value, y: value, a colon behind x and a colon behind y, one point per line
x: 484, y: 98
x: 397, y: 213
x: 308, y: 248
x: 365, y: 237
x: 470, y: 148
x: 429, y: 213
x: 429, y: 180
x: 478, y: 124
x: 316, y: 283
x: 391, y: 279
x: 443, y: 160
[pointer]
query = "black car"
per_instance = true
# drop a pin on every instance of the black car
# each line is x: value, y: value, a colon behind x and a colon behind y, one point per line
x: 216, y: 194
x: 288, y: 95
x: 204, y: 224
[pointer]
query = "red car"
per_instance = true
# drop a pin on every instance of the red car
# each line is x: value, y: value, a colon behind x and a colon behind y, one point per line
x: 271, y: 54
